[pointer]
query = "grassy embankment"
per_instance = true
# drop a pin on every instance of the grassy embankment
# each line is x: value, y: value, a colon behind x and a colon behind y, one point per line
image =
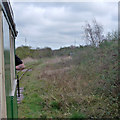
x: 83, y: 85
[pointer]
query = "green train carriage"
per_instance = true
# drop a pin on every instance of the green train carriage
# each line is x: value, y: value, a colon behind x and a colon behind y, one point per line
x: 8, y: 82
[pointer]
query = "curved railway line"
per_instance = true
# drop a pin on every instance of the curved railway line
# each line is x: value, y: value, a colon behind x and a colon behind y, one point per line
x: 22, y: 72
x: 20, y: 75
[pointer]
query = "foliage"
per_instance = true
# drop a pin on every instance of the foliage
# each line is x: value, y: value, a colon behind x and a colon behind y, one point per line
x: 55, y: 105
x: 85, y: 85
x: 67, y: 51
x: 101, y: 63
x: 26, y: 51
x: 77, y: 115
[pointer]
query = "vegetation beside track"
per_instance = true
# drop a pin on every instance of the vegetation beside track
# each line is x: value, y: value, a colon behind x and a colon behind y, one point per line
x: 82, y: 85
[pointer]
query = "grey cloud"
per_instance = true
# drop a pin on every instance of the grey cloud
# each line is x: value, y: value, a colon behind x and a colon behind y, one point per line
x: 59, y: 24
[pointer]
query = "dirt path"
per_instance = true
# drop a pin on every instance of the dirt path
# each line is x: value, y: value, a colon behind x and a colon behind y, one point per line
x: 57, y: 70
x: 29, y: 59
x: 58, y: 60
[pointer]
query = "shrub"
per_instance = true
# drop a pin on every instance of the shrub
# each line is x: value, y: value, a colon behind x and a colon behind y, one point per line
x: 77, y: 115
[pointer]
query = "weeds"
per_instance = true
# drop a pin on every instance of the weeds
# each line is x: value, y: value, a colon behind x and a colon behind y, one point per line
x: 86, y: 89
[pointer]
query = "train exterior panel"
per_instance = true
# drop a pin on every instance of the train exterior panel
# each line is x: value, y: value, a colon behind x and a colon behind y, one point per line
x: 8, y: 82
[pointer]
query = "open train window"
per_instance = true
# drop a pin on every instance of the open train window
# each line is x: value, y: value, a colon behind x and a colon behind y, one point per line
x: 7, y: 56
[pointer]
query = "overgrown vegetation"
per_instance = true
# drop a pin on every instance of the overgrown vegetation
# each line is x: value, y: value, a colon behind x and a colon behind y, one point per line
x: 79, y: 82
x: 27, y: 51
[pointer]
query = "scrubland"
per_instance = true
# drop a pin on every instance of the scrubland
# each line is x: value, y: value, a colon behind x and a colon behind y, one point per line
x: 79, y: 82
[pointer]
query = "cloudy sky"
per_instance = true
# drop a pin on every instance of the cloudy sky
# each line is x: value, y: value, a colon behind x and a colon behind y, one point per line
x: 57, y: 25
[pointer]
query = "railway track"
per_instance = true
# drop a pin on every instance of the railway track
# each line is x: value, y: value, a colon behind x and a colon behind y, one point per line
x: 20, y: 75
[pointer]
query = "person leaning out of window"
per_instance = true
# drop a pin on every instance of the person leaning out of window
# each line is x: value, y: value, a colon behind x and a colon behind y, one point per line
x: 19, y: 63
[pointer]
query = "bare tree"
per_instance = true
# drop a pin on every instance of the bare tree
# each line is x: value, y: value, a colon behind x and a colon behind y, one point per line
x: 112, y: 35
x: 93, y: 33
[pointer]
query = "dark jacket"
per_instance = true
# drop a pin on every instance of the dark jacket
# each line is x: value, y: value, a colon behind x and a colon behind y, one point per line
x: 17, y: 60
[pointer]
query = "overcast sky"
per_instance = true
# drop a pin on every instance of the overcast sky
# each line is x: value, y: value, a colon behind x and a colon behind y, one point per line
x: 57, y: 25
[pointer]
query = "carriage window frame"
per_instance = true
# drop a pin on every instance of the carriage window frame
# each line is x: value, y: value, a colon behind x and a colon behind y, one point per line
x: 3, y: 113
x: 7, y: 62
x: 0, y: 64
x: 12, y: 60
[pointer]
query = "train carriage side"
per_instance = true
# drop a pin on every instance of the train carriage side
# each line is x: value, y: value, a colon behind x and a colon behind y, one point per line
x: 8, y: 83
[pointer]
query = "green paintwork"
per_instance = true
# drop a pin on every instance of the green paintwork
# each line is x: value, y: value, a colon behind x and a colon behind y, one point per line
x: 11, y: 101
x: 14, y: 106
x: 12, y: 111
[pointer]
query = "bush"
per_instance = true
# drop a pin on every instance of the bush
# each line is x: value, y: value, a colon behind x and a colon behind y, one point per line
x: 55, y: 105
x: 77, y: 115
x: 26, y: 51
